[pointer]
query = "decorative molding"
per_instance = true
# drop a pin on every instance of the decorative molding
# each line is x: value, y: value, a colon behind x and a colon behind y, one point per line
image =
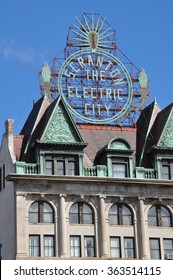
x: 167, y: 139
x: 59, y: 129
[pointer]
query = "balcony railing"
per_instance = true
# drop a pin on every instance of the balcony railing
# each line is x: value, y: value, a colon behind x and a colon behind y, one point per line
x: 90, y: 171
x: 145, y: 173
x: 99, y: 170
x: 26, y: 168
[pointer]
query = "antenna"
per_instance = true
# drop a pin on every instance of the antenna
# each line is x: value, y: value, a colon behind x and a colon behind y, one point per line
x: 28, y: 66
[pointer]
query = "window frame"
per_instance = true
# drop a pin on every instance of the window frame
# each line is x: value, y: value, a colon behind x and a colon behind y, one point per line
x: 40, y: 213
x: 33, y: 247
x: 117, y: 249
x: 119, y: 215
x: 73, y: 247
x: 132, y: 249
x: 167, y: 250
x: 159, y: 216
x: 80, y: 214
x: 158, y: 249
x: 93, y: 251
x: 49, y: 247
x: 166, y: 163
x: 123, y: 161
x: 66, y: 160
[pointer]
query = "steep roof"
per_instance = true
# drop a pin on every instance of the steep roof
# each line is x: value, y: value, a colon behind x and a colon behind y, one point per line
x: 55, y: 127
x: 97, y: 136
x: 33, y: 119
x: 144, y: 137
x: 161, y: 124
x: 35, y: 115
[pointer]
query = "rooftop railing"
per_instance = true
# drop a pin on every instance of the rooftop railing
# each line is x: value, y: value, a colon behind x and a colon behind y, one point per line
x: 145, y: 173
x: 99, y: 170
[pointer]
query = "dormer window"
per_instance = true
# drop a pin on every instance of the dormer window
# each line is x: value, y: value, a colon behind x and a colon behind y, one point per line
x: 117, y: 155
x: 61, y: 165
x: 166, y: 170
x: 120, y: 168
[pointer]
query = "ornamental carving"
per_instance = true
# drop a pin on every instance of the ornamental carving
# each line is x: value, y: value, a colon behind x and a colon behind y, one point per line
x: 59, y: 130
x: 167, y: 138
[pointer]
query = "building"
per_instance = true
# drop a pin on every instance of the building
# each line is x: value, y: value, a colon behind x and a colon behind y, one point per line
x: 96, y: 188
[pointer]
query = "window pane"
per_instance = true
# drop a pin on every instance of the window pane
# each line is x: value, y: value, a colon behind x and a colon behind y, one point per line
x: 49, y: 167
x: 89, y: 246
x: 81, y: 213
x: 113, y: 215
x: 166, y: 174
x: 75, y: 246
x: 115, y: 247
x: 119, y: 170
x: 33, y: 213
x: 159, y: 216
x: 60, y: 168
x: 166, y: 219
x: 74, y: 215
x: 71, y: 168
x: 168, y: 246
x: 126, y: 216
x: 152, y: 216
x: 47, y: 213
x: 129, y: 247
x: 49, y: 246
x: 154, y: 249
x: 87, y: 214
x: 34, y: 245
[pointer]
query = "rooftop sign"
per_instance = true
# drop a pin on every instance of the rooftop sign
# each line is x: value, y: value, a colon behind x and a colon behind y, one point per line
x: 95, y: 84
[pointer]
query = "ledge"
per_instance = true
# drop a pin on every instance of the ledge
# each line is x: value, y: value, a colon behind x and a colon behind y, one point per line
x: 88, y: 179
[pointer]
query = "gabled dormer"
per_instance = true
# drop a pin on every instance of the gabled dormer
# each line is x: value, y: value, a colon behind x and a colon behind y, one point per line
x: 56, y: 143
x: 117, y: 156
x: 162, y: 148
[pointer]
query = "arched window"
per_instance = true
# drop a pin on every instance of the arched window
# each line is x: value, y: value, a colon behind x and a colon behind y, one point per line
x: 40, y: 212
x: 120, y: 214
x: 81, y: 213
x: 159, y: 216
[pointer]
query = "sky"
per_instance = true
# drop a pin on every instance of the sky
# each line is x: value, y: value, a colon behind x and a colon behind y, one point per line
x: 33, y: 32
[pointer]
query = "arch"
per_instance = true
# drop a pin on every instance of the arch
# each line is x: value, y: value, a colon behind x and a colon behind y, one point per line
x: 86, y: 200
x: 159, y: 215
x: 120, y: 214
x: 41, y: 211
x: 81, y: 212
x: 119, y: 143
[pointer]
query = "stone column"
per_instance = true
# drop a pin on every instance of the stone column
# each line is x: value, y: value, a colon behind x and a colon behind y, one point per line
x: 142, y: 230
x: 103, y: 231
x: 62, y: 227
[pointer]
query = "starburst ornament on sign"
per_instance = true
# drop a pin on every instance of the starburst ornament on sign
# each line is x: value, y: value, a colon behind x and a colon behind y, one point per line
x: 90, y: 34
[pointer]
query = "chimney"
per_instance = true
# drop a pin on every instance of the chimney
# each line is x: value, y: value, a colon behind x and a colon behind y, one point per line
x: 9, y: 126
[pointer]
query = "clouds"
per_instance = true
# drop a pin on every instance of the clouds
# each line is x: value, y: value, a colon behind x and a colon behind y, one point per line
x: 11, y: 50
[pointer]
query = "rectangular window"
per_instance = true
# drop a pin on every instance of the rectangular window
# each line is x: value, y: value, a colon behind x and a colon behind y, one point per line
x: 34, y: 245
x: 168, y: 248
x: 115, y: 247
x: 49, y: 167
x: 154, y: 248
x: 119, y: 168
x: 75, y: 246
x: 61, y: 165
x: 166, y: 170
x: 49, y: 246
x: 89, y: 246
x: 129, y: 251
x: 71, y: 168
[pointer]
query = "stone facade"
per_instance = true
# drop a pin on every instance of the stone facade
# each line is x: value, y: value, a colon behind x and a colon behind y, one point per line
x: 86, y: 191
